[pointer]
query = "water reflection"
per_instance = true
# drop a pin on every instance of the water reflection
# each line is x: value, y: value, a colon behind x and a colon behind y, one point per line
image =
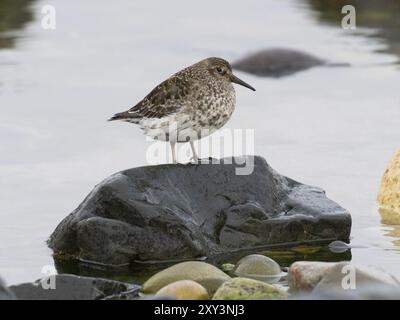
x: 139, y: 272
x: 14, y: 15
x: 340, y: 124
x: 307, y: 253
x: 135, y: 273
x: 393, y: 232
x: 382, y: 15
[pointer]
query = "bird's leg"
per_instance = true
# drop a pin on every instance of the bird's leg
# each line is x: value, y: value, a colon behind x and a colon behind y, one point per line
x: 195, y: 157
x: 173, y: 144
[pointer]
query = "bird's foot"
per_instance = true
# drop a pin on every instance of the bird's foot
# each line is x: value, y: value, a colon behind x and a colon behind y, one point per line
x: 194, y: 160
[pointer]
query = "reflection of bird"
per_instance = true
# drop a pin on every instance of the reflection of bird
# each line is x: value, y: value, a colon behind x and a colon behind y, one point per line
x: 189, y: 105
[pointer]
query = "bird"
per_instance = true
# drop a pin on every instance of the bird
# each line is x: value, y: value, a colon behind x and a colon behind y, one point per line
x: 189, y: 105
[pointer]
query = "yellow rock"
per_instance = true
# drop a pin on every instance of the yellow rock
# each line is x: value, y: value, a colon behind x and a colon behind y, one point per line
x: 184, y: 290
x: 389, y: 194
x: 207, y: 275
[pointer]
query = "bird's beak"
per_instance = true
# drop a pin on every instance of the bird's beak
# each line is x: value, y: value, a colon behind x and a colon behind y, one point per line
x: 241, y: 82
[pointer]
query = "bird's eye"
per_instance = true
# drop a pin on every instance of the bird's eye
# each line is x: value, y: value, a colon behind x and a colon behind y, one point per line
x: 219, y: 70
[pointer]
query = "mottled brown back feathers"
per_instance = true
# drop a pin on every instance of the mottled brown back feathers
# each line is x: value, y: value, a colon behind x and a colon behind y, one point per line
x: 175, y: 92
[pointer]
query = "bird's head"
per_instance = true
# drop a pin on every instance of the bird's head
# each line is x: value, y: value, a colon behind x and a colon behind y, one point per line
x: 222, y: 70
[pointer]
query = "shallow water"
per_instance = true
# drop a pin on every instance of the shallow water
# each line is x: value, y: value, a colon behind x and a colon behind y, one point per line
x: 335, y: 128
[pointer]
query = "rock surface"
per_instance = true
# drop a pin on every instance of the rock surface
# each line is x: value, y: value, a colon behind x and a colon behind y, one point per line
x: 279, y: 62
x: 339, y: 278
x: 71, y: 287
x: 5, y: 293
x: 325, y: 278
x: 207, y: 275
x: 183, y: 212
x: 184, y: 290
x: 248, y: 289
x: 305, y: 275
x: 389, y: 194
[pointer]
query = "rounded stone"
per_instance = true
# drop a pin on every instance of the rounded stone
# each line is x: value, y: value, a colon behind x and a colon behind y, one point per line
x: 184, y: 290
x: 389, y: 194
x: 227, y: 267
x: 305, y: 275
x: 258, y: 267
x: 205, y: 274
x: 248, y: 289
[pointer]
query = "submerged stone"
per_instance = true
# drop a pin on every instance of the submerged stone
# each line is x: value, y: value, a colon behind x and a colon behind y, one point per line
x: 258, y: 267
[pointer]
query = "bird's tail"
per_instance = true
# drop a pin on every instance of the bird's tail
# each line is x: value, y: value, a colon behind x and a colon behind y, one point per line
x: 119, y: 116
x: 125, y: 116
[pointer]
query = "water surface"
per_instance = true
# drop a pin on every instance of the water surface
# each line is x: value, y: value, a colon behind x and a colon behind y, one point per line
x: 335, y: 128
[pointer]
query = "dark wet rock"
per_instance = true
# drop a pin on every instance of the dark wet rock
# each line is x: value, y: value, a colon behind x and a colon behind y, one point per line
x: 71, y: 287
x: 5, y: 293
x: 175, y: 211
x: 279, y: 62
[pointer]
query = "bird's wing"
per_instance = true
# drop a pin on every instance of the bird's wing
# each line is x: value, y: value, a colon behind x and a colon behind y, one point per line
x: 165, y: 99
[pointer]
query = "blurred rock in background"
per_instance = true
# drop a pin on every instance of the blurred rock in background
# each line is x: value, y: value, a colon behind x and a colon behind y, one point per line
x: 383, y: 16
x: 14, y: 15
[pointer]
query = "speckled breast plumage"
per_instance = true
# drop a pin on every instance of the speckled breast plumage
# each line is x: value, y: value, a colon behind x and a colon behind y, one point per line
x: 207, y: 110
